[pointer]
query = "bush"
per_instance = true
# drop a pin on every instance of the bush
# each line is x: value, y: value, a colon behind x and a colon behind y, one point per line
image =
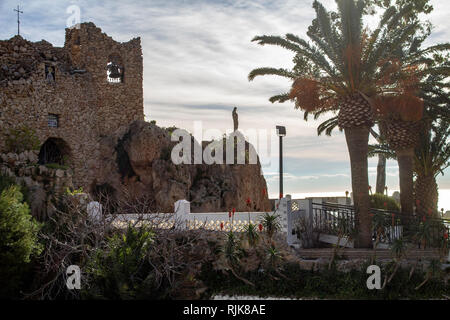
x: 18, y: 240
x: 21, y: 139
x: 6, y: 182
x: 380, y: 201
x: 120, y: 270
x: 142, y: 264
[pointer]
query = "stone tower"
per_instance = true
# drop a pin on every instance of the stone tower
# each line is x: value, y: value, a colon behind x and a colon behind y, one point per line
x: 119, y: 100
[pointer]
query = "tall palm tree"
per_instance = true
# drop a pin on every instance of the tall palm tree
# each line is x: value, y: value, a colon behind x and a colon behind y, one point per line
x: 342, y: 71
x: 432, y: 154
x: 432, y: 157
x: 404, y: 127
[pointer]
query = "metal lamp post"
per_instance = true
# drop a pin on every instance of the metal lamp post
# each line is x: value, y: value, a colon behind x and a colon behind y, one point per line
x: 281, y: 132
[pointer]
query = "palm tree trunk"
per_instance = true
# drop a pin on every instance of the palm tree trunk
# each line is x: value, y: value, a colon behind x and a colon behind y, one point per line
x: 381, y: 174
x: 357, y: 143
x: 405, y: 159
x: 426, y: 192
x: 381, y: 167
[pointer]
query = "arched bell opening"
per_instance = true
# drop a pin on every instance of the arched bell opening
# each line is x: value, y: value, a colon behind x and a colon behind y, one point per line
x: 114, y: 69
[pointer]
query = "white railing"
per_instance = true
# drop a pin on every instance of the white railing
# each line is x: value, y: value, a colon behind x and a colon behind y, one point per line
x: 288, y: 210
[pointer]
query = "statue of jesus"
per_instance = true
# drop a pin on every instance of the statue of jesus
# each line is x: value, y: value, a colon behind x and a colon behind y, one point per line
x: 235, y: 119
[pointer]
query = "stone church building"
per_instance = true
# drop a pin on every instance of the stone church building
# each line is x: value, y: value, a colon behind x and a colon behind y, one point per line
x: 72, y: 96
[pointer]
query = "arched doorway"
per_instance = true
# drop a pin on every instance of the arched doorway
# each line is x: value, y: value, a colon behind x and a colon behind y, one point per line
x: 54, y: 150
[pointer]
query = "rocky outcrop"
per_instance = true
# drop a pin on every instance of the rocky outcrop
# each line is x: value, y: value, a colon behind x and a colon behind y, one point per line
x: 138, y: 159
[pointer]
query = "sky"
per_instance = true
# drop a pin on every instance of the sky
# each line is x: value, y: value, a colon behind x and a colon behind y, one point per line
x: 197, y: 56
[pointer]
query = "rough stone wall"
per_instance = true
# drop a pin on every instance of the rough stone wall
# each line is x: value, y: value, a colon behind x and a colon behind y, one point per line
x: 87, y: 105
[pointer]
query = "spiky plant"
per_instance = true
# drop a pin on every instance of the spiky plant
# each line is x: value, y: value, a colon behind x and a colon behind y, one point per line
x: 271, y: 223
x: 344, y: 69
x: 251, y: 234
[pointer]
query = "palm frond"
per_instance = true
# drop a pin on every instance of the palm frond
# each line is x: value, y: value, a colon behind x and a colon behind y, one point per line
x: 271, y: 71
x: 280, y: 98
x: 377, y: 149
x: 328, y: 126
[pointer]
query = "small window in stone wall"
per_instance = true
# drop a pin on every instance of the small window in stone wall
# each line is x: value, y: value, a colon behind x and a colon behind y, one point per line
x: 50, y: 74
x: 53, y: 121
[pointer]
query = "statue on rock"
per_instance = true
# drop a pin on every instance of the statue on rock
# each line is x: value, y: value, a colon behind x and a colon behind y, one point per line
x: 235, y: 119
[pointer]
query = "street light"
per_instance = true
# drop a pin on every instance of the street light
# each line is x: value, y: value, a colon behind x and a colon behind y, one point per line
x: 281, y: 132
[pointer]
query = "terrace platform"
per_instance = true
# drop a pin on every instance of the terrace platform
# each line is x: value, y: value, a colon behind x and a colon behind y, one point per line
x: 347, y: 253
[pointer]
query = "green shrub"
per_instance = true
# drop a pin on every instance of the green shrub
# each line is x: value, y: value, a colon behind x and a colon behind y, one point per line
x: 380, y: 201
x: 18, y: 240
x: 21, y: 139
x: 171, y: 129
x: 6, y: 182
x: 121, y: 269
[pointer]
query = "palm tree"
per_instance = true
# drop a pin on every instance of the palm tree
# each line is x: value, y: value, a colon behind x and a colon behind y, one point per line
x: 432, y: 157
x: 404, y: 131
x: 432, y: 154
x: 343, y: 71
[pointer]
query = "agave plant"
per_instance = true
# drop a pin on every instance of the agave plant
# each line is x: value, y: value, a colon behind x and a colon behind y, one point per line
x: 232, y: 249
x: 251, y: 233
x: 347, y: 70
x: 231, y: 254
x: 271, y: 223
x: 273, y: 257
